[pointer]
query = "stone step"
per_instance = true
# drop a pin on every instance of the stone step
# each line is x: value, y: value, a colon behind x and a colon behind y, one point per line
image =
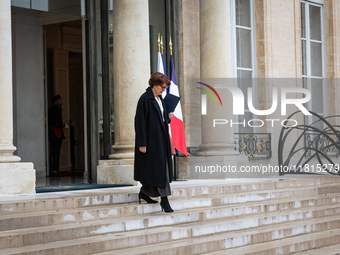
x: 37, y: 219
x: 218, y: 245
x: 292, y: 245
x: 224, y: 201
x: 77, y: 199
x: 40, y: 235
x: 108, y: 200
x: 167, y: 235
x: 328, y: 199
x: 329, y: 189
x: 245, y: 222
x: 101, y: 213
x: 70, y: 201
x: 212, y: 220
x: 330, y: 250
x: 55, y: 217
x: 256, y: 186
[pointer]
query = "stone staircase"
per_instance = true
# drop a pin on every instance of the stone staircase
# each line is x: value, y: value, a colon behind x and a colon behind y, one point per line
x: 287, y: 216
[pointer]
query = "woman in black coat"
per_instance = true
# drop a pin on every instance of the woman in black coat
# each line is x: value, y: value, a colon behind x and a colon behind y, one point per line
x: 152, y: 165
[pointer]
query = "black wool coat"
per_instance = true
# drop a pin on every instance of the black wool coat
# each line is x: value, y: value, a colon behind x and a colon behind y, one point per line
x: 152, y: 132
x: 55, y: 119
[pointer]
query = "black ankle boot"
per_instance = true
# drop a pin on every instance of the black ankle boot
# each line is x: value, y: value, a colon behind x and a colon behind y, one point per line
x: 165, y: 205
x: 141, y: 195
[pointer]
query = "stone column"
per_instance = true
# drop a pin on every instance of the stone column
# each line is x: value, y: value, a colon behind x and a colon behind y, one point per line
x: 217, y: 145
x: 278, y: 50
x: 189, y: 48
x: 15, y: 178
x: 216, y: 62
x: 6, y: 95
x: 131, y: 71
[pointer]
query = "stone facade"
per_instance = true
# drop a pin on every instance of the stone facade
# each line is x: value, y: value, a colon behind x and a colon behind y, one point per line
x: 278, y: 55
x: 206, y: 51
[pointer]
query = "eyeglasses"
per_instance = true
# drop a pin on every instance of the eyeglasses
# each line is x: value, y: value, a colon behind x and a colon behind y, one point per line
x: 164, y: 87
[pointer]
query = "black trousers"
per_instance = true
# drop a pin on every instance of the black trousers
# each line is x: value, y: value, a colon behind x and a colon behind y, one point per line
x: 154, y: 192
x: 55, y: 145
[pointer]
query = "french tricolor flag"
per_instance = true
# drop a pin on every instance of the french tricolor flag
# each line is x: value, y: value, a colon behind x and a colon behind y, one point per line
x: 176, y: 124
x: 160, y: 64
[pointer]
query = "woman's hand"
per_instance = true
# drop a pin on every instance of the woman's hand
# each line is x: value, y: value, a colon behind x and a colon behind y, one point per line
x: 171, y: 115
x: 142, y: 149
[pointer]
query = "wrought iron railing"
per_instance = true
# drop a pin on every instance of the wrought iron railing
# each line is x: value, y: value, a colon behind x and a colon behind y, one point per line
x: 321, y: 143
x: 254, y: 145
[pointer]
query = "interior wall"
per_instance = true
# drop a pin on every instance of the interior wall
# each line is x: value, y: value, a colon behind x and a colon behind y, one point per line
x: 28, y: 83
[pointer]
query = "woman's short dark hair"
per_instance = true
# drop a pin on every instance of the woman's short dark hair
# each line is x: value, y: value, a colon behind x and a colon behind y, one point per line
x: 158, y: 79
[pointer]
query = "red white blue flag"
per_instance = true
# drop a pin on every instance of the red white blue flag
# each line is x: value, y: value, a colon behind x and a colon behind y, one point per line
x: 161, y: 68
x: 160, y: 64
x: 176, y: 124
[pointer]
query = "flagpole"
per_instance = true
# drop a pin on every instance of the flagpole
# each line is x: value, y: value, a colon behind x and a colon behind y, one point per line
x: 159, y: 43
x: 170, y: 44
x: 175, y: 166
x: 162, y: 44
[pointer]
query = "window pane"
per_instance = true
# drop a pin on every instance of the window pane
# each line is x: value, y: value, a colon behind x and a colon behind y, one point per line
x: 243, y: 13
x: 246, y: 128
x: 303, y: 21
x: 304, y: 82
x: 317, y: 95
x: 244, y: 74
x: 244, y: 83
x: 244, y: 80
x: 318, y: 124
x: 40, y: 5
x: 83, y: 8
x: 243, y: 44
x: 21, y: 3
x: 315, y: 22
x: 67, y: 7
x: 316, y: 58
x: 304, y: 63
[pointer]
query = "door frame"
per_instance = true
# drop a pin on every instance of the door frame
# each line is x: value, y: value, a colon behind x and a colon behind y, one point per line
x: 85, y: 103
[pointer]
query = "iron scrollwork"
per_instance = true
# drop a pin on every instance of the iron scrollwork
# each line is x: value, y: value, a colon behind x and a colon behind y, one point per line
x: 319, y: 143
x: 254, y: 145
x: 324, y: 144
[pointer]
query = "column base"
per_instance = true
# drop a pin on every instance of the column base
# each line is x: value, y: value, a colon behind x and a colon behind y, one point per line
x: 6, y: 154
x: 123, y: 151
x: 17, y: 178
x: 9, y: 159
x: 127, y: 155
x: 116, y: 172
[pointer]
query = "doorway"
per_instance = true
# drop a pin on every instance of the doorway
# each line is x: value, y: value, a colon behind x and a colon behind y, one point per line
x: 64, y: 72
